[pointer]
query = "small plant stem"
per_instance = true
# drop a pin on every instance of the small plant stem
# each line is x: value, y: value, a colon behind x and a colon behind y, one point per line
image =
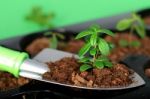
x: 130, y: 35
x: 53, y: 34
x: 23, y: 97
x: 95, y: 56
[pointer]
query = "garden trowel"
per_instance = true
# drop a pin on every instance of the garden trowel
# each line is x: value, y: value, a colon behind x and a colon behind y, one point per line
x: 20, y: 65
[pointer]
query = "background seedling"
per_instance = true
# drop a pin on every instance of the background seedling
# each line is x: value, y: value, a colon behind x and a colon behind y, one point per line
x: 54, y: 38
x: 38, y: 16
x: 135, y: 23
x: 44, y: 19
x: 96, y: 46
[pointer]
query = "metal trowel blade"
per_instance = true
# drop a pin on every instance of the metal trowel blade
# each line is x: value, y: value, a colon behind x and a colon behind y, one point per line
x: 52, y: 55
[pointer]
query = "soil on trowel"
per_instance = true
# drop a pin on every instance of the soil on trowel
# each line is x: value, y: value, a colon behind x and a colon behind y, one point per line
x: 66, y: 71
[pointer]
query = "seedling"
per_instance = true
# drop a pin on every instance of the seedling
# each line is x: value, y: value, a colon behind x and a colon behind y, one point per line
x: 39, y: 17
x: 54, y: 39
x: 134, y: 23
x: 96, y: 46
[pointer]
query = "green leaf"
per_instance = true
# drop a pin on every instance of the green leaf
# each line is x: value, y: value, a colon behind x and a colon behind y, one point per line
x: 93, y: 39
x: 124, y: 24
x: 54, y: 42
x: 139, y: 26
x: 83, y: 33
x: 108, y: 64
x: 93, y: 52
x: 135, y: 43
x: 84, y: 49
x: 103, y: 58
x: 84, y: 67
x: 108, y: 32
x: 85, y: 59
x: 94, y: 28
x: 99, y: 64
x: 103, y: 47
x: 141, y: 22
x: 123, y: 43
x: 61, y: 36
x: 29, y: 18
x: 136, y: 17
x: 37, y: 10
x: 111, y: 45
x: 48, y: 33
x: 50, y: 25
x: 140, y: 31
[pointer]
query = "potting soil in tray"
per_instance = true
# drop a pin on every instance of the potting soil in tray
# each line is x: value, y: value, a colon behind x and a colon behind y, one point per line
x: 8, y: 81
x: 10, y: 85
x: 120, y: 52
x: 37, y: 45
x: 36, y: 42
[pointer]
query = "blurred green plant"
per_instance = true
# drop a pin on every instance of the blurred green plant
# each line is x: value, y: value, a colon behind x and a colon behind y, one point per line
x: 135, y: 23
x: 96, y: 46
x: 38, y: 16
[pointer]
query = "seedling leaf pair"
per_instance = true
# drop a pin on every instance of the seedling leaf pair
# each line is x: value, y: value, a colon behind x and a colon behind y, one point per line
x: 124, y: 24
x: 83, y: 34
x: 135, y: 23
x: 125, y: 43
x: 54, y: 38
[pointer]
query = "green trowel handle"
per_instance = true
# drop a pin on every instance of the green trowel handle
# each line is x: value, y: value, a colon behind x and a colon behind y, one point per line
x: 11, y: 61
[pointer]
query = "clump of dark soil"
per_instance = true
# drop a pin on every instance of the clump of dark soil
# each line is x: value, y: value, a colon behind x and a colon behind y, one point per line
x: 67, y: 71
x: 37, y: 45
x: 119, y: 52
x: 8, y: 81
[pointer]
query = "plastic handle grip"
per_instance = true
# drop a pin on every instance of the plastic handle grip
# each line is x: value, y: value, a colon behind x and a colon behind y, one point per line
x: 10, y: 60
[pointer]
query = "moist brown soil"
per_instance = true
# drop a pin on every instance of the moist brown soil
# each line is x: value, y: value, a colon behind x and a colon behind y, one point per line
x: 118, y: 53
x: 66, y: 71
x: 8, y: 81
x: 147, y: 72
x: 73, y: 46
x: 39, y: 44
